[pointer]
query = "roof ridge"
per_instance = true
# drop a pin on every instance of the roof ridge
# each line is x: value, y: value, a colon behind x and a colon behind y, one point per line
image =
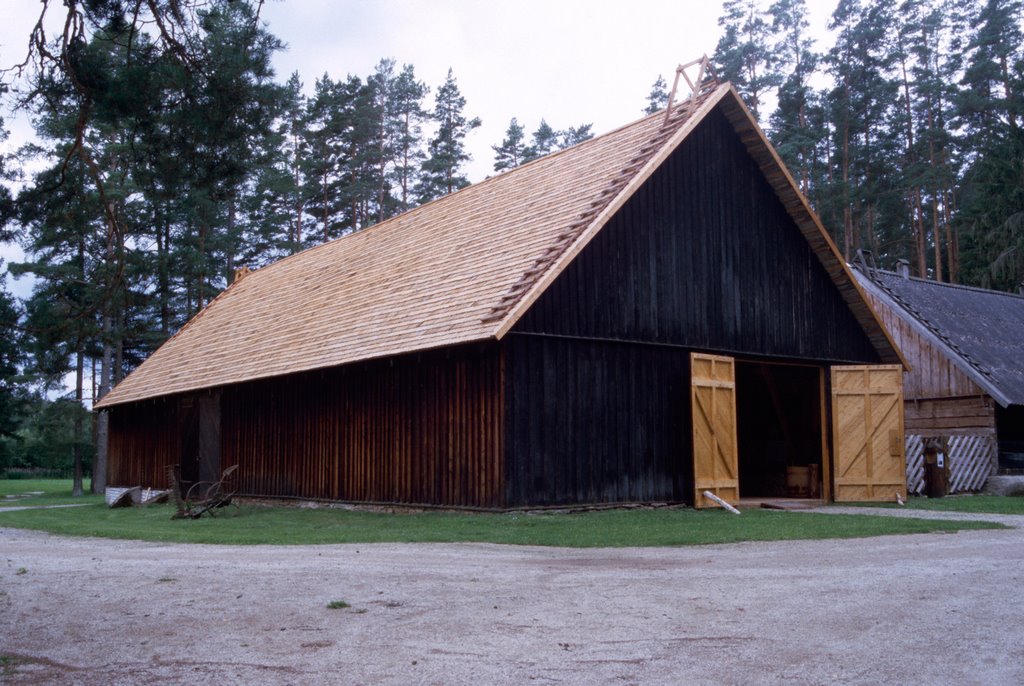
x: 958, y: 286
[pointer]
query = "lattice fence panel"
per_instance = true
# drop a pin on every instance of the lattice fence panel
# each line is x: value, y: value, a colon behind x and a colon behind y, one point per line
x: 971, y: 461
x: 914, y: 446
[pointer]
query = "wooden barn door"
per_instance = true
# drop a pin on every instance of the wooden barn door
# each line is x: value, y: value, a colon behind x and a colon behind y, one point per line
x: 867, y: 433
x: 713, y: 405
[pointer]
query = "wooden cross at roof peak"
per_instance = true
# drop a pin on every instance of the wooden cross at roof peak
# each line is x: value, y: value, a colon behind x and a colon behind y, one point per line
x: 704, y: 81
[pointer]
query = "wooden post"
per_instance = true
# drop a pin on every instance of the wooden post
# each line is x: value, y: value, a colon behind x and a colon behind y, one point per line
x: 826, y: 452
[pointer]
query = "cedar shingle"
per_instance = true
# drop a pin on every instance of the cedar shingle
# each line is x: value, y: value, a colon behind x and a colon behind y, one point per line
x: 462, y: 268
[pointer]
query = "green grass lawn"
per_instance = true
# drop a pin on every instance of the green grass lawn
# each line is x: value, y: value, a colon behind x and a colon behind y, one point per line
x: 55, y: 492
x: 987, y: 504
x: 250, y: 524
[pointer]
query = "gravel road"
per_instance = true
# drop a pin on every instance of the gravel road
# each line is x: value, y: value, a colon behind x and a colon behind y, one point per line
x: 927, y: 609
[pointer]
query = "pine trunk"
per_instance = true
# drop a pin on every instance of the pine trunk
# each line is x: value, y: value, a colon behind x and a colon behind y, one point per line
x: 847, y: 210
x: 201, y: 277
x: 805, y: 172
x: 325, y: 214
x: 920, y: 246
x: 296, y: 234
x: 163, y: 244
x: 76, y: 488
x: 99, y: 468
x: 405, y: 164
x: 936, y: 233
x: 952, y: 248
x: 914, y: 191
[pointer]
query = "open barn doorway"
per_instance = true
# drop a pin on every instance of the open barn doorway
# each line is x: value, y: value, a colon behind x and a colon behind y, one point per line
x: 779, y: 430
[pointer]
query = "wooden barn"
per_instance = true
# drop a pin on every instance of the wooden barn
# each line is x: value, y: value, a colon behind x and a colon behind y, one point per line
x: 640, y: 317
x: 964, y: 390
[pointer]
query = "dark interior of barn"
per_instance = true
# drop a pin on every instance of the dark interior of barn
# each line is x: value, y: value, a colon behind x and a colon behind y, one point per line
x: 1010, y: 430
x: 778, y: 416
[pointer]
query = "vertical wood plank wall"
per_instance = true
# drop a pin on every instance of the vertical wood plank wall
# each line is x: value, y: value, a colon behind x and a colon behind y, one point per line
x: 144, y: 439
x: 423, y: 428
x: 592, y: 422
x: 418, y: 429
x: 704, y: 256
x: 932, y: 373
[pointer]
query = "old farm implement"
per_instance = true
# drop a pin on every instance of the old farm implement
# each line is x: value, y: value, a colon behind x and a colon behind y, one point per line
x: 201, y: 497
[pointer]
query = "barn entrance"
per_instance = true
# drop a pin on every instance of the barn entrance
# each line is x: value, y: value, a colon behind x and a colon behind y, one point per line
x: 866, y: 410
x: 779, y: 430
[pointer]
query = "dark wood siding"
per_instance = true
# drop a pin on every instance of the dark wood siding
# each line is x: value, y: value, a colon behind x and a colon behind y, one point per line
x: 145, y: 438
x: 592, y: 422
x: 417, y: 429
x: 704, y: 256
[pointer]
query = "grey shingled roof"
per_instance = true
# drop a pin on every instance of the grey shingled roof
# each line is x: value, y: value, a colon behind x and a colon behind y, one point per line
x: 982, y: 329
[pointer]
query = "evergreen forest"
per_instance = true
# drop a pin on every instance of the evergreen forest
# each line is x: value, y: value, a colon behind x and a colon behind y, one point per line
x: 168, y: 154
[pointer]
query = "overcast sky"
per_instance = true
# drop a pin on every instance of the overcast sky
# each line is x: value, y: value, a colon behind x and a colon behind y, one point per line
x: 570, y: 61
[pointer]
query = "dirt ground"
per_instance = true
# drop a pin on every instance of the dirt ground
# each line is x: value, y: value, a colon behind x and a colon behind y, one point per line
x: 928, y: 609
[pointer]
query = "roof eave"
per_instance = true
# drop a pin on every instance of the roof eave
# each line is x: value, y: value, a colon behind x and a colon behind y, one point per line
x: 783, y: 184
x: 924, y: 331
x: 822, y: 245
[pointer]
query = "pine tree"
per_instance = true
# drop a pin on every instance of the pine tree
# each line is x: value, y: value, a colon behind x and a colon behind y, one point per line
x: 575, y: 135
x: 988, y: 110
x: 509, y: 154
x: 6, y: 175
x: 406, y: 116
x: 861, y: 104
x: 791, y: 130
x: 60, y: 212
x: 657, y: 99
x: 328, y: 119
x: 153, y: 119
x: 992, y: 216
x: 926, y: 64
x: 991, y: 100
x: 442, y: 170
x: 272, y: 211
x: 12, y: 391
x: 544, y: 141
x: 367, y: 151
x: 743, y: 54
x: 228, y: 105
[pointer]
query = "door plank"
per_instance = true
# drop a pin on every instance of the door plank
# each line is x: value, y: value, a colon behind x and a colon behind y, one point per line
x: 713, y: 401
x: 867, y: 411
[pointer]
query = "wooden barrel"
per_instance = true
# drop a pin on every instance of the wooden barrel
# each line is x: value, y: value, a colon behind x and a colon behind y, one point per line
x: 798, y: 483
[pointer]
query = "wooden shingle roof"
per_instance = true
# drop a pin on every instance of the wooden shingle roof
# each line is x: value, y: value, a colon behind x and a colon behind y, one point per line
x: 462, y: 268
